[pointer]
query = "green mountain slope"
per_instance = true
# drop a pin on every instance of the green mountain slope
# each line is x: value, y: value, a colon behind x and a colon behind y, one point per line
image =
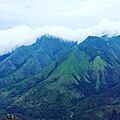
x: 32, y: 59
x: 64, y: 81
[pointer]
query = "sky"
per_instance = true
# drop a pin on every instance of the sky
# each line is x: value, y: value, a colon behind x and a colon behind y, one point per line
x: 68, y: 13
x: 22, y: 21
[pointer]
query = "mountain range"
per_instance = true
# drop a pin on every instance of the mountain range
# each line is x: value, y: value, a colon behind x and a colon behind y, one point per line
x: 55, y: 79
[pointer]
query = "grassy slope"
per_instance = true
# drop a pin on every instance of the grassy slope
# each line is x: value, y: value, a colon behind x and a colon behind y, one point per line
x: 58, y: 89
x: 74, y: 78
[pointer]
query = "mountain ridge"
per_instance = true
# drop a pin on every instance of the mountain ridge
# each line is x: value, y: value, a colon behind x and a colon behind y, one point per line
x: 57, y: 76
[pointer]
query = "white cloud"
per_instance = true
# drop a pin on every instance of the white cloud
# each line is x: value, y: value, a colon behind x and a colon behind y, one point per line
x: 14, y: 37
x: 70, y: 13
x: 23, y: 35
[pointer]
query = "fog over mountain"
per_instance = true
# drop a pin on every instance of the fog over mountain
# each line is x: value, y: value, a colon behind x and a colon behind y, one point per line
x: 24, y: 35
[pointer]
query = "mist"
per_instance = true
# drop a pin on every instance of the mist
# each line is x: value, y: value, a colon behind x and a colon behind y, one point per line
x: 17, y: 36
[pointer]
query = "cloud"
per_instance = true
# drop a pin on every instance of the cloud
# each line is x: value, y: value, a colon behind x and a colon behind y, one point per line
x: 69, y: 13
x: 24, y: 35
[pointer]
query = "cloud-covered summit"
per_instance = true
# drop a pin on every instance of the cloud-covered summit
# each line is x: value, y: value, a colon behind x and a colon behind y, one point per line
x: 23, y: 35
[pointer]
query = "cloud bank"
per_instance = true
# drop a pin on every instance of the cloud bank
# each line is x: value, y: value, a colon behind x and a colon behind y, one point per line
x: 23, y: 35
x: 67, y: 13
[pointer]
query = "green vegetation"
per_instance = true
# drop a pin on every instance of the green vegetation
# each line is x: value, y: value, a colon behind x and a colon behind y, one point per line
x: 99, y: 67
x: 59, y: 80
x: 75, y: 64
